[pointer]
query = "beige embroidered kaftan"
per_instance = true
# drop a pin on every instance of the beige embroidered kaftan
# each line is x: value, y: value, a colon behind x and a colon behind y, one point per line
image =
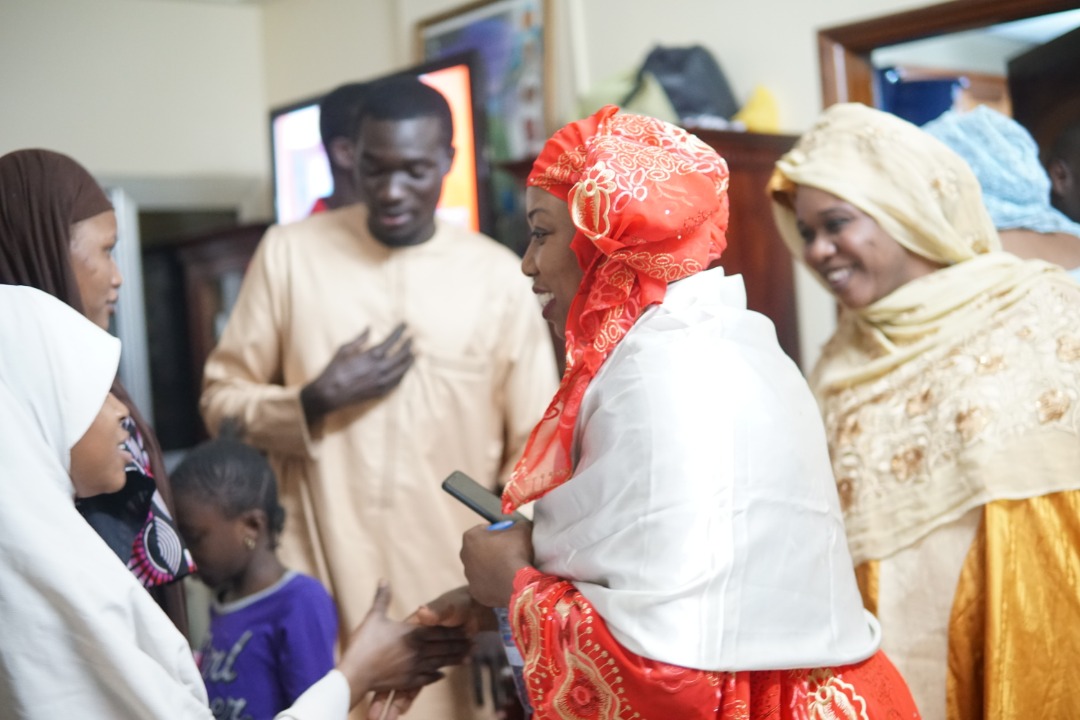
x: 362, y: 488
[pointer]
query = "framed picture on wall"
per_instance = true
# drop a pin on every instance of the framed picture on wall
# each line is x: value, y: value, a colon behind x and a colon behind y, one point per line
x: 510, y: 37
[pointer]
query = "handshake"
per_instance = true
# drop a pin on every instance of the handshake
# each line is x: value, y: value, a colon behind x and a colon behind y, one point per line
x: 395, y: 659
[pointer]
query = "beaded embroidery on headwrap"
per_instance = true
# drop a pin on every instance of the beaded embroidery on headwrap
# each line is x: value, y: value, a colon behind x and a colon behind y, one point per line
x: 649, y: 201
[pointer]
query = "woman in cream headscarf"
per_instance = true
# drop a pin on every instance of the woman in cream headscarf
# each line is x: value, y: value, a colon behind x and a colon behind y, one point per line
x: 687, y: 558
x: 951, y: 398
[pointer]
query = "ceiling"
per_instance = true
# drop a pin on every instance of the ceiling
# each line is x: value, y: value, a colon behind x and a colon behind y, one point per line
x: 1038, y: 30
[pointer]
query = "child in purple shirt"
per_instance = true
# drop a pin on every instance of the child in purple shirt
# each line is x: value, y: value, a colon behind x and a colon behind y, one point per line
x: 272, y: 630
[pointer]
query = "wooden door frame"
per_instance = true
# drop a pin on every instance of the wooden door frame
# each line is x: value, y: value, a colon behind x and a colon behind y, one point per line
x: 844, y: 51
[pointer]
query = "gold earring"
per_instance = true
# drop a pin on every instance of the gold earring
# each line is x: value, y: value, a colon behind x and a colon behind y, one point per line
x: 249, y: 542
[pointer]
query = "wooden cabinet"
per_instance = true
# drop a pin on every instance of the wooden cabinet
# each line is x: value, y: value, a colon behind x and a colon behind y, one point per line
x: 191, y: 283
x: 214, y: 267
x: 755, y: 249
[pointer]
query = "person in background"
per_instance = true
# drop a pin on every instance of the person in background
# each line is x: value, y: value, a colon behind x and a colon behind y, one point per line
x: 949, y: 393
x: 338, y: 111
x: 373, y: 350
x: 687, y: 557
x: 57, y: 233
x: 1064, y: 170
x: 272, y: 630
x: 1015, y: 186
x: 81, y: 637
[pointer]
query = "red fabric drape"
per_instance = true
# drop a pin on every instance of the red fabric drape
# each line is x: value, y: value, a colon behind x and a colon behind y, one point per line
x: 650, y: 205
x: 576, y: 670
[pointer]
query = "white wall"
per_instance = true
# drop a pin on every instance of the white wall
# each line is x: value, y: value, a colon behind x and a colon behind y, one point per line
x: 312, y: 46
x: 135, y: 87
x: 159, y: 91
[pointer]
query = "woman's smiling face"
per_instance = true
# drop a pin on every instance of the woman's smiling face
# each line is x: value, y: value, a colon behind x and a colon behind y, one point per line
x: 549, y: 261
x: 857, y: 259
x: 99, y: 458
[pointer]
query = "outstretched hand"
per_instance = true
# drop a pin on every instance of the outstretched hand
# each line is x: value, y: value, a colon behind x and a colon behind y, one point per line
x: 456, y: 608
x: 384, y: 654
x: 357, y: 373
x: 453, y: 609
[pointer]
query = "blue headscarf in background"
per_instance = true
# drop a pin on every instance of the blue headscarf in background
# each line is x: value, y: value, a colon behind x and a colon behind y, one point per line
x: 1005, y: 159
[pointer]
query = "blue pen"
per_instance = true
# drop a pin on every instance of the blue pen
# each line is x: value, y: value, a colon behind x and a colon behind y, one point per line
x: 501, y: 525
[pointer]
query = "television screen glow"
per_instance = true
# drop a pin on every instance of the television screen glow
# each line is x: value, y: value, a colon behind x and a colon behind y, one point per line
x: 302, y: 175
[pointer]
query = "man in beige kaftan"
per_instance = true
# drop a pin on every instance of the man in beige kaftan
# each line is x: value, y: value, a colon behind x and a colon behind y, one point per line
x: 363, y: 418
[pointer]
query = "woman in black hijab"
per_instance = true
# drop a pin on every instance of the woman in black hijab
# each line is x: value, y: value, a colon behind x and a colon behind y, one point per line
x: 57, y: 232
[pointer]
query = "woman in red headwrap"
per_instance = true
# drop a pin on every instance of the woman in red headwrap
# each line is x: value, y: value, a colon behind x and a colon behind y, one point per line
x: 57, y: 233
x: 687, y: 557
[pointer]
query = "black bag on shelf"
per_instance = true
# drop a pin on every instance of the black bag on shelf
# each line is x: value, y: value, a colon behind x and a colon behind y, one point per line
x: 692, y: 79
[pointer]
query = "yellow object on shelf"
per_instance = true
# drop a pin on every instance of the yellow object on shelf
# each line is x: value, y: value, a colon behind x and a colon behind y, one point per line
x: 760, y: 113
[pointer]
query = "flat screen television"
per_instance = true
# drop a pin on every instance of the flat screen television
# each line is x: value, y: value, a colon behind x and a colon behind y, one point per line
x: 302, y: 175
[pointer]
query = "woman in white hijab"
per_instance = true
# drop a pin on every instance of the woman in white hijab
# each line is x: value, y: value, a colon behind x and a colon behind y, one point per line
x: 79, y: 631
x: 80, y: 634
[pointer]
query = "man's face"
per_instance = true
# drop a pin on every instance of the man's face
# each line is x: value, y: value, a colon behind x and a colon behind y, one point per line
x: 401, y: 168
x: 1065, y: 186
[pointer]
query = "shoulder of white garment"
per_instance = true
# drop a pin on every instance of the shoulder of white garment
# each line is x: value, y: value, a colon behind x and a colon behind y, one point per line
x: 717, y: 387
x: 328, y: 699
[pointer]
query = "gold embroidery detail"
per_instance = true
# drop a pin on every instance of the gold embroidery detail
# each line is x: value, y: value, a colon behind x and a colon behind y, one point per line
x: 849, y: 430
x: 834, y: 699
x: 1068, y: 348
x: 907, y: 463
x: 845, y: 488
x: 881, y: 398
x: 900, y: 450
x: 920, y: 403
x: 970, y: 423
x: 946, y: 186
x: 873, y: 139
x: 1053, y: 404
x: 663, y: 266
x: 978, y: 242
x: 989, y: 364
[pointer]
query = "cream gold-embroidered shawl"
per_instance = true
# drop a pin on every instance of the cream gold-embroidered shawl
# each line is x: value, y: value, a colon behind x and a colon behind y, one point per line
x: 960, y: 387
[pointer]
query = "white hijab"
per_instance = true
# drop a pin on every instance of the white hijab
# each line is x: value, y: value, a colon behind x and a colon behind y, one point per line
x: 80, y: 635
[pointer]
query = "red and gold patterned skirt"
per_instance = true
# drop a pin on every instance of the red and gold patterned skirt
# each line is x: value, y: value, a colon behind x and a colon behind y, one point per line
x: 576, y: 670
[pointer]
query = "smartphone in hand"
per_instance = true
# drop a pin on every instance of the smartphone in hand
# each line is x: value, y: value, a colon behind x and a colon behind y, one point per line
x: 477, y: 497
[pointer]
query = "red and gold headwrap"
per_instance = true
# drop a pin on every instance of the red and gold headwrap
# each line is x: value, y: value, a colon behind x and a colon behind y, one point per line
x: 649, y: 201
